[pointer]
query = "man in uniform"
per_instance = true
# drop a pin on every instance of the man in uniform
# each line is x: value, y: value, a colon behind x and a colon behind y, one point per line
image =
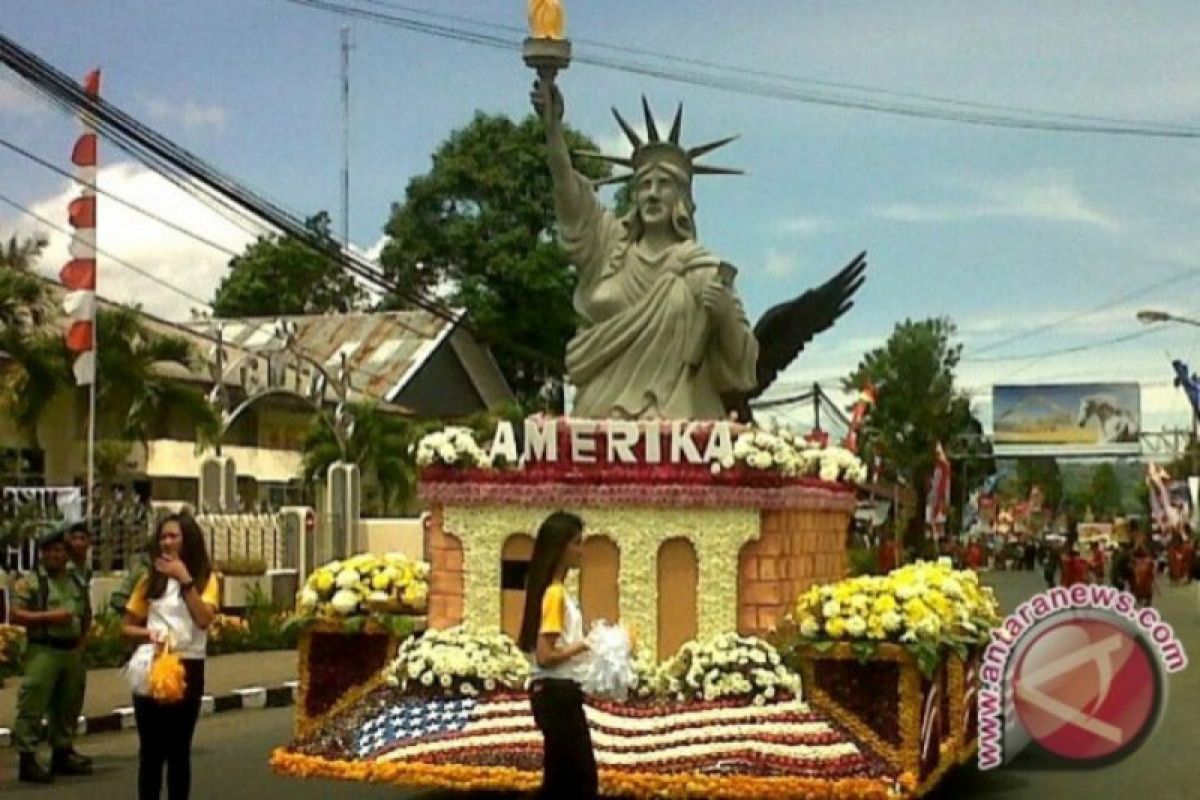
x: 49, y: 603
x: 79, y: 564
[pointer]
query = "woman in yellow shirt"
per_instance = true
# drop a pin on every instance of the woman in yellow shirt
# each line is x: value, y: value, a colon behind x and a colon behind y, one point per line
x: 174, y: 604
x: 552, y: 633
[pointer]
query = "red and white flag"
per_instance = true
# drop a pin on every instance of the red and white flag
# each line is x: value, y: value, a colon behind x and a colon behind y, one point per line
x: 938, y: 502
x: 79, y: 274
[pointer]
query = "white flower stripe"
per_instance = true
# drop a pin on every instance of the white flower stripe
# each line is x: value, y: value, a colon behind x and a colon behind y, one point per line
x: 762, y: 713
x: 797, y: 752
x: 622, y: 741
x: 686, y: 736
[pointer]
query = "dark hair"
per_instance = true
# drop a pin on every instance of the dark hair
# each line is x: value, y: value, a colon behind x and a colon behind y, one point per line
x: 193, y: 553
x: 556, y: 532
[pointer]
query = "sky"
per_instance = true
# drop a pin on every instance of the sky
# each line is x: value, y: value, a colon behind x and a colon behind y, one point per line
x: 1033, y: 242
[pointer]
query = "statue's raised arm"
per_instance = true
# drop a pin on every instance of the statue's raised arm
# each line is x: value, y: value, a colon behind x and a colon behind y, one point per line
x: 586, y: 228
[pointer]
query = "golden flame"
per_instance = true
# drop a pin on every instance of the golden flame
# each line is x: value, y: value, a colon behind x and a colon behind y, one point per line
x: 546, y: 20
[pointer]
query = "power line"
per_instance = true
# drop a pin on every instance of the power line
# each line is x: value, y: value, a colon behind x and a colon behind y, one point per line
x: 163, y: 155
x: 758, y: 73
x: 759, y: 88
x: 1066, y: 350
x: 1187, y: 274
x: 115, y: 259
x: 132, y: 206
x: 254, y: 325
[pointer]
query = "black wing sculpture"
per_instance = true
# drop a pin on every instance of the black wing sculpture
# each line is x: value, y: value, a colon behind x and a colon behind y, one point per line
x: 786, y: 328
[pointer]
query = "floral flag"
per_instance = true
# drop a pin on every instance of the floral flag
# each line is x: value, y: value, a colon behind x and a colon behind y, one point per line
x: 776, y: 738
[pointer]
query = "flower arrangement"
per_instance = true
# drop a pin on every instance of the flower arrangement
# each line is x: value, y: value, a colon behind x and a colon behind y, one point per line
x: 12, y: 646
x: 782, y: 450
x: 226, y: 626
x: 363, y: 584
x: 725, y: 666
x: 757, y: 454
x: 926, y: 606
x: 459, y: 661
x: 453, y: 446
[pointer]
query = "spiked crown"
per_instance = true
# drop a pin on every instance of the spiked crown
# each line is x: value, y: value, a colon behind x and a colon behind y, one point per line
x: 657, y: 150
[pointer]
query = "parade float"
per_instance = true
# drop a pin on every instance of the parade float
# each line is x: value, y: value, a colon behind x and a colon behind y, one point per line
x: 720, y: 544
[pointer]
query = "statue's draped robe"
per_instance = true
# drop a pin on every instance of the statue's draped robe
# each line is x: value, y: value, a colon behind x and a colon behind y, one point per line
x: 635, y: 354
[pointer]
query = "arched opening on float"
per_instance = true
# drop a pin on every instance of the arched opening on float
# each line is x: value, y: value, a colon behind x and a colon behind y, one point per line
x: 514, y: 565
x: 598, y: 592
x: 678, y: 579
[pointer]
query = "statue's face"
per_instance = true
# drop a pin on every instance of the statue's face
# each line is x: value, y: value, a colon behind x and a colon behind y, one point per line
x: 656, y: 194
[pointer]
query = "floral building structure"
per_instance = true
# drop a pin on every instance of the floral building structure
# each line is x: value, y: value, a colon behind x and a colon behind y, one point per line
x: 686, y: 538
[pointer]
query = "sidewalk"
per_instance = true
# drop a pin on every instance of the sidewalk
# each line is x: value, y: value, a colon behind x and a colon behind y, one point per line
x: 107, y: 690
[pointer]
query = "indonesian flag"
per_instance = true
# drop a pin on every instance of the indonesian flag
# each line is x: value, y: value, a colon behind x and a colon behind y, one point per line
x: 79, y: 274
x: 938, y: 501
x: 867, y: 398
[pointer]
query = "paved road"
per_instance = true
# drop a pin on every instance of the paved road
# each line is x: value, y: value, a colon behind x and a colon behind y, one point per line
x: 229, y: 762
x: 231, y: 749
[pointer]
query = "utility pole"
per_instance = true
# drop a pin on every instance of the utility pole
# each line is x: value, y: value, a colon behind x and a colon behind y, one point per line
x: 345, y: 135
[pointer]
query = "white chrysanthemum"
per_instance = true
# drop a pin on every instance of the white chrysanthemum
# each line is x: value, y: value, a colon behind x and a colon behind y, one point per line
x: 344, y: 602
x: 347, y: 578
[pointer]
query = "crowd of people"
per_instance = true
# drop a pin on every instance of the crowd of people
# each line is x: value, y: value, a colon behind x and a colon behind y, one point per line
x: 1138, y: 564
x: 168, y: 602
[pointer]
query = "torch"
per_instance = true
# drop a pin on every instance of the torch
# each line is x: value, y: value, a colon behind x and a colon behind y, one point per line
x: 547, y: 49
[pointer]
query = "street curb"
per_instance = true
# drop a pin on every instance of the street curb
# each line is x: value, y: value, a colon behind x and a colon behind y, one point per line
x: 250, y: 697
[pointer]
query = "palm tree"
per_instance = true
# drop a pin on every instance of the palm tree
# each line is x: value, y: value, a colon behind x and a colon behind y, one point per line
x: 33, y: 365
x: 379, y: 444
x: 133, y: 394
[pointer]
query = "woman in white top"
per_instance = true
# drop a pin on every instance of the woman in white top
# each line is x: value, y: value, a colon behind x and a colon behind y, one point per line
x: 173, y: 605
x: 552, y: 633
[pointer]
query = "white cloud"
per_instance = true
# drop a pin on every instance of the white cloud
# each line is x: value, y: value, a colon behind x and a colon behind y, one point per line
x: 190, y: 114
x: 16, y: 99
x: 804, y: 225
x: 174, y: 258
x: 778, y: 264
x: 1043, y: 196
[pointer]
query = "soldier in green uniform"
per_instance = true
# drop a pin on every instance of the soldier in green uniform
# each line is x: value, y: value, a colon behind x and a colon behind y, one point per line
x: 49, y: 602
x: 79, y: 564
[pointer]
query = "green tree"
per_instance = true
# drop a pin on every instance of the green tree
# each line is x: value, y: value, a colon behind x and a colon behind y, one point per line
x: 379, y: 444
x: 918, y: 404
x: 1042, y: 472
x: 281, y: 275
x: 480, y: 226
x: 133, y: 393
x: 1105, y: 494
x: 34, y: 365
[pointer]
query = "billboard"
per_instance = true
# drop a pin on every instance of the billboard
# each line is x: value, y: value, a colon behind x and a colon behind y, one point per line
x: 1067, y: 419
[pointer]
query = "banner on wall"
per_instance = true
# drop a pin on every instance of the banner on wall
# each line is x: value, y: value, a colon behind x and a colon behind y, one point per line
x: 1067, y: 419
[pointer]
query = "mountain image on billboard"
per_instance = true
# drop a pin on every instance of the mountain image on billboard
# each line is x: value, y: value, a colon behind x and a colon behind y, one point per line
x: 1071, y: 415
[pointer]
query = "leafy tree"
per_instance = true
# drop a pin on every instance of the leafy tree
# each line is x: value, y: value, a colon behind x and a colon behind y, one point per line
x: 281, y: 275
x: 1105, y: 491
x: 379, y: 444
x: 34, y: 365
x: 133, y: 396
x: 1043, y: 473
x: 918, y: 404
x: 480, y: 227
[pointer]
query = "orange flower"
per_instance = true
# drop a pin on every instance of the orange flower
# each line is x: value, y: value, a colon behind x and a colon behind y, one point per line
x: 167, y: 678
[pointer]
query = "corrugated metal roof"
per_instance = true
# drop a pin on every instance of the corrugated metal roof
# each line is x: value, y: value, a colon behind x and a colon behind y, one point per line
x: 383, y: 349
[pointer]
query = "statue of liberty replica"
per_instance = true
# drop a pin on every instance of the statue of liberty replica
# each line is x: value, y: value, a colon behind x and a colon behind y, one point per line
x: 663, y: 333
